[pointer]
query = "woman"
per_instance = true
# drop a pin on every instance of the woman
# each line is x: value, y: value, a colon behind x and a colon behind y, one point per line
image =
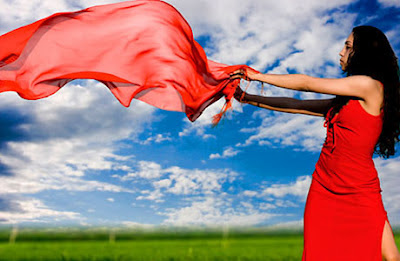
x: 344, y: 217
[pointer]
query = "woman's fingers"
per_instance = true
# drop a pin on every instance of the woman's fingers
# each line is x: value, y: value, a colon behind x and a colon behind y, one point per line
x: 239, y: 74
x: 236, y: 76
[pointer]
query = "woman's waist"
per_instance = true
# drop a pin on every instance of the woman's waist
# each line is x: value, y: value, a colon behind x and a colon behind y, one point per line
x: 346, y: 161
x: 347, y: 180
x: 349, y: 149
x: 321, y: 186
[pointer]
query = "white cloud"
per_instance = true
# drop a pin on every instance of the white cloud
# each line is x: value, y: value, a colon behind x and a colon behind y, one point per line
x: 202, y: 190
x: 15, y: 13
x: 287, y: 203
x: 179, y: 181
x: 228, y: 153
x: 218, y: 208
x: 158, y: 138
x: 251, y: 26
x: 110, y: 199
x: 317, y: 45
x: 55, y: 165
x: 388, y: 170
x: 213, y: 211
x: 266, y: 206
x: 131, y: 224
x: 298, y: 188
x: 164, y: 183
x: 389, y: 3
x: 81, y: 111
x: 68, y: 135
x: 300, y: 131
x: 247, y: 205
x: 196, y: 181
x: 250, y: 193
x: 33, y: 210
x: 155, y: 196
x: 146, y: 170
x: 297, y: 224
x: 393, y: 38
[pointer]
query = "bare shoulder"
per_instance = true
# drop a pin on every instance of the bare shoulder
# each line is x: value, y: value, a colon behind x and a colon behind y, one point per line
x: 373, y: 100
x: 365, y: 82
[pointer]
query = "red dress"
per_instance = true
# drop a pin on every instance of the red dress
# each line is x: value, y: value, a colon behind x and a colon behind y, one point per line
x: 344, y: 215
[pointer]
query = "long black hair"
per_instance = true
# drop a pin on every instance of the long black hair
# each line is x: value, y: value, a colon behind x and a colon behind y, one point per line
x: 373, y: 56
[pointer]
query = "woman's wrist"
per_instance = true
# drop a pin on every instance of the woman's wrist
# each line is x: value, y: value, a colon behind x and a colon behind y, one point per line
x: 246, y: 97
x: 257, y: 77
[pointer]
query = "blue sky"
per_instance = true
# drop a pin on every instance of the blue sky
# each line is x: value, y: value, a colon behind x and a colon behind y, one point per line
x: 81, y: 158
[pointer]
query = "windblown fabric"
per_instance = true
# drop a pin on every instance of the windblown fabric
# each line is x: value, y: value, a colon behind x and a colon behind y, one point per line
x: 139, y: 49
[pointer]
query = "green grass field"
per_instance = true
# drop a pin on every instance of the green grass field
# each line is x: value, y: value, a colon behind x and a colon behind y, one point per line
x: 83, y: 245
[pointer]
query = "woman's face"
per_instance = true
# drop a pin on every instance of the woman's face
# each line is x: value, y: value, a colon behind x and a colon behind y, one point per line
x: 347, y: 49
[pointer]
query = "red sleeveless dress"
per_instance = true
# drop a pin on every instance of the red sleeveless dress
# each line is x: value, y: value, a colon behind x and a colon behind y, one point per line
x: 344, y: 215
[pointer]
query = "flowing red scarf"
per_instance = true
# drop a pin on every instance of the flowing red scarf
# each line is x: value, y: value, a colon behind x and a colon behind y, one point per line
x: 139, y: 49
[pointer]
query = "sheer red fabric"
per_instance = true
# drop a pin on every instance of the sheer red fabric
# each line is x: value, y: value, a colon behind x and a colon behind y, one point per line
x: 139, y: 49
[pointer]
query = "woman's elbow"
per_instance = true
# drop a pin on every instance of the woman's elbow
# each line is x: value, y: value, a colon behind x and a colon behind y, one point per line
x: 307, y: 83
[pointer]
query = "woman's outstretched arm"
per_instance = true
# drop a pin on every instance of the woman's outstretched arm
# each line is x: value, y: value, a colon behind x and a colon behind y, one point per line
x: 286, y: 104
x: 360, y: 86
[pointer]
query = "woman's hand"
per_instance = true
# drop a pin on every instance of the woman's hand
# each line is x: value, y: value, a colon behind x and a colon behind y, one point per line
x: 246, y: 73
